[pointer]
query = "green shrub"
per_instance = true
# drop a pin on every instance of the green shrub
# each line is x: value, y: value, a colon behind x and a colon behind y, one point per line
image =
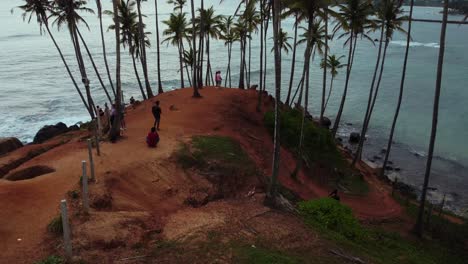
x: 331, y: 214
x: 51, y: 260
x: 55, y: 226
x: 249, y: 254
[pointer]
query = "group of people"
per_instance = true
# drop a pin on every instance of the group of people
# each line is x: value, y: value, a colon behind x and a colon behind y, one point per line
x: 152, y: 139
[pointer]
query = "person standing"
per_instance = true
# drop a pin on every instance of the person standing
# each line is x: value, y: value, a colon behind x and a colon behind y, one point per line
x: 157, y: 114
x: 218, y: 78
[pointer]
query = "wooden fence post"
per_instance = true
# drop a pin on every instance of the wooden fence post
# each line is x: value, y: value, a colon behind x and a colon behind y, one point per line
x: 84, y: 181
x: 91, y: 161
x: 66, y: 229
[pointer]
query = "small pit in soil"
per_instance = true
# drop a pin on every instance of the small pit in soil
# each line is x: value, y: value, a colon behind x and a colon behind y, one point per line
x: 29, y: 173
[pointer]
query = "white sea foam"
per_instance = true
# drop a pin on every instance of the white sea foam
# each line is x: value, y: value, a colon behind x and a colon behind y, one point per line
x: 416, y: 44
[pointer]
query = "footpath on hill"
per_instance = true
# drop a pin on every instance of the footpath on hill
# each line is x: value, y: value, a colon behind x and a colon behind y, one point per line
x: 144, y: 183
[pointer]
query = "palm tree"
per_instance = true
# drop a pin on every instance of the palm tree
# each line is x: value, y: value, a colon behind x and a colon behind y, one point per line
x: 400, y: 96
x: 241, y: 31
x: 115, y: 129
x: 229, y: 37
x: 333, y: 64
x: 262, y: 18
x: 178, y: 4
x: 273, y: 188
x: 103, y: 42
x: 158, y: 52
x: 283, y: 42
x: 41, y: 9
x: 129, y: 31
x: 211, y: 29
x: 196, y: 94
x: 419, y: 227
x: 66, y: 12
x: 143, y: 50
x: 293, y: 63
x: 354, y: 20
x: 252, y: 18
x: 389, y: 15
x: 188, y: 62
x: 177, y: 32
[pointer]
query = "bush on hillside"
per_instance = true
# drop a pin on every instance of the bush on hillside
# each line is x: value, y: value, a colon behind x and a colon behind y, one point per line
x: 51, y: 260
x: 331, y: 214
x: 55, y: 226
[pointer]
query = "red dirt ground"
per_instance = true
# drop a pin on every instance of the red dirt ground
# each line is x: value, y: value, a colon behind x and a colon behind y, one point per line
x: 144, y: 183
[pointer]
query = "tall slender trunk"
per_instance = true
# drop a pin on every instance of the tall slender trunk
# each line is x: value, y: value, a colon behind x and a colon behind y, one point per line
x: 228, y: 71
x: 196, y: 94
x: 188, y: 75
x: 138, y: 76
x: 343, y: 98
x: 209, y: 76
x: 115, y: 129
x: 419, y: 227
x: 306, y: 98
x: 324, y: 84
x: 400, y: 96
x: 202, y: 46
x: 143, y: 51
x: 272, y: 193
x: 260, y: 90
x: 371, y: 93
x: 241, y: 75
x: 250, y: 58
x: 329, y: 93
x: 158, y: 51
x: 84, y: 76
x: 94, y: 66
x: 366, y: 124
x: 181, y: 66
x: 265, y: 53
x: 293, y: 63
x: 104, y: 53
x: 67, y: 67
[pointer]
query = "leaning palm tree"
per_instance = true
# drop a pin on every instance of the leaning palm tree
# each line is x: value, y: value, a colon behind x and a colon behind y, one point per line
x: 400, y: 96
x: 293, y: 63
x: 103, y: 43
x: 158, y: 52
x: 143, y: 49
x: 419, y: 227
x: 188, y: 62
x: 177, y: 32
x: 333, y: 64
x: 41, y: 10
x: 229, y: 37
x: 252, y: 18
x: 240, y: 29
x: 354, y: 19
x: 67, y: 12
x: 283, y: 42
x: 389, y: 15
x: 196, y: 94
x: 115, y: 126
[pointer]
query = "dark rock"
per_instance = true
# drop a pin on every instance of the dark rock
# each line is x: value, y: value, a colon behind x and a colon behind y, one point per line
x: 349, y: 124
x: 253, y: 87
x: 376, y: 40
x: 9, y: 144
x: 354, y: 137
x: 377, y: 158
x: 390, y: 162
x: 397, y: 169
x: 48, y: 132
x: 383, y: 151
x: 74, y: 128
x: 390, y: 168
x: 339, y: 139
x: 326, y: 122
x: 29, y: 173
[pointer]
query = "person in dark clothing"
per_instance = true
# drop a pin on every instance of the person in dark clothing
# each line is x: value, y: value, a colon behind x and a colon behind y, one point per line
x: 157, y: 114
x: 153, y: 138
x: 334, y: 195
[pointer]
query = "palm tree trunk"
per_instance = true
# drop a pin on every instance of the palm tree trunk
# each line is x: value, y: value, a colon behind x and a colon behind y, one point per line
x: 84, y: 76
x: 94, y: 66
x: 208, y: 62
x: 329, y: 93
x: 104, y: 53
x: 67, y: 67
x: 158, y: 51
x: 273, y: 188
x: 181, y: 66
x: 138, y: 76
x: 188, y: 75
x: 265, y: 41
x: 324, y: 84
x: 115, y: 129
x: 419, y: 227
x: 260, y: 90
x: 400, y: 96
x: 196, y: 94
x: 250, y: 58
x: 371, y: 93
x: 228, y: 71
x: 143, y: 50
x: 343, y: 98
x: 241, y: 75
x: 293, y: 64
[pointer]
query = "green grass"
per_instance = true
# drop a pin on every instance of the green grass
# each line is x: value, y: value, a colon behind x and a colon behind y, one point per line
x: 216, y: 153
x: 374, y: 243
x: 55, y: 226
x: 51, y: 260
x: 319, y: 149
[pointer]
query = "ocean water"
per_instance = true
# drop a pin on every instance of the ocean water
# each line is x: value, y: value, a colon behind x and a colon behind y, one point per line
x: 35, y: 89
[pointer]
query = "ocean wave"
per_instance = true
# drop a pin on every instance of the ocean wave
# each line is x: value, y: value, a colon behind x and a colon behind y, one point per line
x: 416, y: 44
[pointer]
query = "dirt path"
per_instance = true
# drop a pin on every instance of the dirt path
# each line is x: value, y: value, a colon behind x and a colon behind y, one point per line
x: 140, y: 178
